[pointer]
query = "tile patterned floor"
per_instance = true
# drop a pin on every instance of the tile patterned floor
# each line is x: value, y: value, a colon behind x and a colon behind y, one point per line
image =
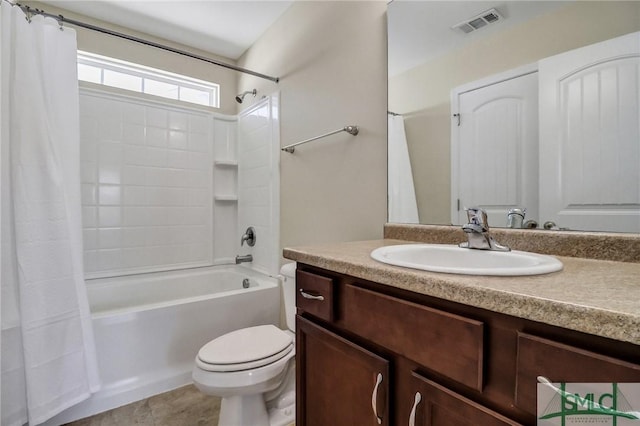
x: 185, y: 406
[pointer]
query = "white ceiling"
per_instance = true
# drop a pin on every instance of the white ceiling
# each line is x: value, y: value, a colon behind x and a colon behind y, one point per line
x: 418, y: 30
x: 421, y: 30
x: 225, y: 28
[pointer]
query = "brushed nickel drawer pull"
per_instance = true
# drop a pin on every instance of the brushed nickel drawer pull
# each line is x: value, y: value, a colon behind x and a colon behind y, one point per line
x: 310, y: 296
x: 374, y: 398
x: 412, y: 416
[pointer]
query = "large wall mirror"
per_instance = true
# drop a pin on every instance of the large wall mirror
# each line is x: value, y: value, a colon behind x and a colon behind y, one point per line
x: 441, y: 50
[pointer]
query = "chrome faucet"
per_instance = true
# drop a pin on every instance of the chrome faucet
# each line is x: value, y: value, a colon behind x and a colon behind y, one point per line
x: 477, y: 231
x: 243, y: 259
x: 249, y: 236
x: 515, y: 217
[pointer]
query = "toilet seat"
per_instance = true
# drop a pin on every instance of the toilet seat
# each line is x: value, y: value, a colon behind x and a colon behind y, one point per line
x: 222, y: 368
x: 244, y: 382
x: 245, y: 349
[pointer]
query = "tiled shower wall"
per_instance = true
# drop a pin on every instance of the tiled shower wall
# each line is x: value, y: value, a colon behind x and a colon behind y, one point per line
x: 147, y: 184
x: 259, y: 182
x: 225, y: 192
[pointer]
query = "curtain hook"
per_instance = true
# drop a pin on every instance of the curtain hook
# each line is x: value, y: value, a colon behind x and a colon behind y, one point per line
x: 27, y: 13
x: 60, y: 22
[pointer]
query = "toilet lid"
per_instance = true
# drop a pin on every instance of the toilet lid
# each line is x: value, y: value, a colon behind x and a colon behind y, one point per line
x: 246, y: 345
x: 251, y: 365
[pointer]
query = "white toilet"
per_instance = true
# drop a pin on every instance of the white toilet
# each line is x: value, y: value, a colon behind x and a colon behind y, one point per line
x: 253, y: 369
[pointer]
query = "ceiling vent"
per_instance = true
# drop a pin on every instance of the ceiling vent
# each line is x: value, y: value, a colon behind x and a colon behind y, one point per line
x: 488, y: 17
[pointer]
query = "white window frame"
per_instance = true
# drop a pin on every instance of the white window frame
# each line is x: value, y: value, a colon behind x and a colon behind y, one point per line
x: 181, y: 81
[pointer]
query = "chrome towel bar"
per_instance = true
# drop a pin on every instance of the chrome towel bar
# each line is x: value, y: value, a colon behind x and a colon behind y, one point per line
x: 352, y: 130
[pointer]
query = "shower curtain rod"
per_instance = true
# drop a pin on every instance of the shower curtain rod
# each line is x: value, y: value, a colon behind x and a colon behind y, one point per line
x: 61, y: 19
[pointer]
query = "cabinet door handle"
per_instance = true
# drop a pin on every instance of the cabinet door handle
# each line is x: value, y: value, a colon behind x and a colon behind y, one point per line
x: 310, y: 296
x: 412, y: 416
x: 374, y: 398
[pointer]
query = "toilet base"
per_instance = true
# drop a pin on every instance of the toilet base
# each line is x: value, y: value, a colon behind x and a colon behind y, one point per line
x: 251, y: 410
x: 243, y: 410
x: 282, y: 404
x: 283, y: 415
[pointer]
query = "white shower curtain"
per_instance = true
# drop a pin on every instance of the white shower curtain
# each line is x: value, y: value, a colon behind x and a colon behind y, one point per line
x: 48, y: 353
x: 402, y: 204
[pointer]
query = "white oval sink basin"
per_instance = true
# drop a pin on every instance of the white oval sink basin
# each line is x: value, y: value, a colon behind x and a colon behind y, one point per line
x: 455, y: 260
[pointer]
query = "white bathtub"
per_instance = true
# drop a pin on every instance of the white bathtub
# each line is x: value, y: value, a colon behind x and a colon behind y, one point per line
x: 148, y: 328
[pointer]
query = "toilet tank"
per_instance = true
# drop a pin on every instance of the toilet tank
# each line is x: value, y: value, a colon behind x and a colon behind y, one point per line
x: 288, y: 273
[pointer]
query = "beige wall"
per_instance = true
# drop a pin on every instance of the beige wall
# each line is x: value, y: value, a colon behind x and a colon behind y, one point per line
x: 331, y: 58
x: 114, y: 47
x: 422, y: 94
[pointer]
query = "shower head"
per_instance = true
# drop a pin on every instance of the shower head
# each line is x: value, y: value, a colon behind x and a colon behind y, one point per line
x: 240, y: 98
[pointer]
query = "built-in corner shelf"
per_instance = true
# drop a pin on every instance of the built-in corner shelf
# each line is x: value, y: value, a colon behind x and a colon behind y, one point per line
x: 226, y: 180
x: 226, y: 197
x: 225, y: 163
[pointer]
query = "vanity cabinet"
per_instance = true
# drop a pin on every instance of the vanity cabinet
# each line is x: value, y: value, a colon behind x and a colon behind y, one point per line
x: 371, y: 354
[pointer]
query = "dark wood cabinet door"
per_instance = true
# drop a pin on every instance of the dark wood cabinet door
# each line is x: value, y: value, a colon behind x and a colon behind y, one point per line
x: 435, y: 405
x: 559, y: 362
x: 338, y: 382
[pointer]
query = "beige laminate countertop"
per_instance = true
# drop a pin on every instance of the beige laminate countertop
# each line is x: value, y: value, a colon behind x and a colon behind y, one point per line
x: 593, y: 296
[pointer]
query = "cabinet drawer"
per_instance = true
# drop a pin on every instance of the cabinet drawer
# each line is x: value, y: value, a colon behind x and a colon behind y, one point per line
x: 435, y: 405
x: 448, y: 344
x: 314, y: 294
x: 563, y: 363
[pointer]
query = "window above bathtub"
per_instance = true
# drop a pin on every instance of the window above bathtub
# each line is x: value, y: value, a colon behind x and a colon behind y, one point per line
x: 112, y: 72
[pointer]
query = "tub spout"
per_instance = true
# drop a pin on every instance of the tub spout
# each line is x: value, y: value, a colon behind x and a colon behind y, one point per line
x: 243, y: 259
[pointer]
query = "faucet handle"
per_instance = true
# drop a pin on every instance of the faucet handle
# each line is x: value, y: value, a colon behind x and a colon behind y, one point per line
x: 517, y: 210
x: 249, y: 236
x: 478, y: 216
x: 477, y: 231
